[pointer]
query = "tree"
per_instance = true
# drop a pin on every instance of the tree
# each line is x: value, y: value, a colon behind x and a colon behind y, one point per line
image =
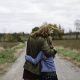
x: 77, y: 25
x: 70, y: 31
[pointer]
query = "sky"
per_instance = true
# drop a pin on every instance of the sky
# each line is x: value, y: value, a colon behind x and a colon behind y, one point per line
x: 23, y: 15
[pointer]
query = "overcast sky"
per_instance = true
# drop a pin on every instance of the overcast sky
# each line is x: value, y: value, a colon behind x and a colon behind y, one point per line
x: 23, y: 15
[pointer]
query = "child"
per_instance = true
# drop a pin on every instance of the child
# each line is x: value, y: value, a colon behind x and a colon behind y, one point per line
x: 48, y: 71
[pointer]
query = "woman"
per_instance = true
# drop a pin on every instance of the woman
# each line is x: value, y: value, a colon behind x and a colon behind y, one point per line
x: 48, y: 71
x: 31, y: 73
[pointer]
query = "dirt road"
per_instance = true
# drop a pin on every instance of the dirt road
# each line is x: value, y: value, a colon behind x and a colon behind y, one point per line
x: 65, y: 70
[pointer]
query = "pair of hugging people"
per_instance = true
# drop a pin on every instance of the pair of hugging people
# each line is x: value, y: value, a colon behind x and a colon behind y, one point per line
x: 45, y: 54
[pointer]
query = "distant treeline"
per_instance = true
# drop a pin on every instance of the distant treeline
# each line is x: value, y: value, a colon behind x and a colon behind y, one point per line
x: 13, y: 37
x: 67, y: 36
x: 22, y: 37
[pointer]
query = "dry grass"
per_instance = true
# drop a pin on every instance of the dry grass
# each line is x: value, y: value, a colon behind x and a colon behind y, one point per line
x: 71, y: 55
x: 72, y: 44
x: 8, y: 44
x: 9, y: 55
x: 69, y: 49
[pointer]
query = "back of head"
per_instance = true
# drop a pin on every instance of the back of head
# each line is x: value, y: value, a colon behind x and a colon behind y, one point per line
x: 44, y: 32
x: 34, y: 32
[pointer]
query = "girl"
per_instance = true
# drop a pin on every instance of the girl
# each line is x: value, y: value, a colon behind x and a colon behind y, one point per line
x: 48, y: 71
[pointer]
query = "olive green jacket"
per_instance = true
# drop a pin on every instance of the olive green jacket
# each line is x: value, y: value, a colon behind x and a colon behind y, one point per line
x: 34, y: 46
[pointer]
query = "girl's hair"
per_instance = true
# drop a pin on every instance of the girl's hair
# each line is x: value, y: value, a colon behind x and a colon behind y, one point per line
x: 45, y: 33
x: 42, y: 32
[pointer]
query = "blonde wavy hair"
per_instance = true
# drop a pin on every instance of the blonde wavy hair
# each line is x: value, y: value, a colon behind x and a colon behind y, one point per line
x: 42, y: 32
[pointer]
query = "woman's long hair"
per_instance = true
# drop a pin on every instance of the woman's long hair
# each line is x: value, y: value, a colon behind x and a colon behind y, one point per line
x: 42, y: 32
x: 45, y: 33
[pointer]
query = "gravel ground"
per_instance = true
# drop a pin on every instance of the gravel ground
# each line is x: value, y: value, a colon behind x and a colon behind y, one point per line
x: 65, y: 69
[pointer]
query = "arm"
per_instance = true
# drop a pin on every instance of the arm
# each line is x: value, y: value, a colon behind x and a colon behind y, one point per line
x: 36, y: 60
x: 47, y: 50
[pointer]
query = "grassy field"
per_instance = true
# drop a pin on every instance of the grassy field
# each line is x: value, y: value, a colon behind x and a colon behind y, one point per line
x: 9, y: 54
x: 72, y: 44
x: 71, y: 55
x: 69, y: 49
x: 8, y: 44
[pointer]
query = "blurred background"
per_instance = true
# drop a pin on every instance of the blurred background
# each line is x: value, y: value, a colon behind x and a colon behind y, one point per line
x: 18, y: 18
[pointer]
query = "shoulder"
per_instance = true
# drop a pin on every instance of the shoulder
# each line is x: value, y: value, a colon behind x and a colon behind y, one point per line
x: 41, y: 39
x: 30, y: 40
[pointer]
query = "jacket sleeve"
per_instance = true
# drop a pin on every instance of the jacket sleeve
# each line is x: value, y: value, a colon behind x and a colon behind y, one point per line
x: 34, y: 60
x: 28, y: 48
x: 47, y: 50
